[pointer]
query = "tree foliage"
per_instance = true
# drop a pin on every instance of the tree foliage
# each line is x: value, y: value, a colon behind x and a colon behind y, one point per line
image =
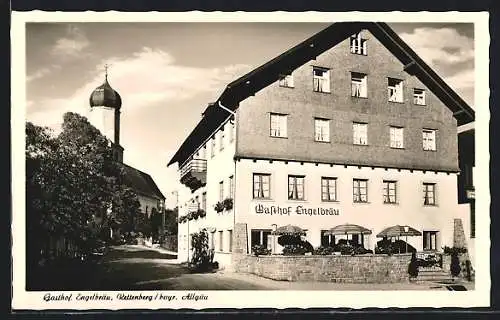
x: 73, y: 188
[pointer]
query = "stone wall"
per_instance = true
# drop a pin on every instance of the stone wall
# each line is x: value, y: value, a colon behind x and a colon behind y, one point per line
x: 346, y: 269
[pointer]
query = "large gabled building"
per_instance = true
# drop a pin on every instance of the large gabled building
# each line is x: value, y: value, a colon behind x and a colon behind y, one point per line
x: 348, y: 127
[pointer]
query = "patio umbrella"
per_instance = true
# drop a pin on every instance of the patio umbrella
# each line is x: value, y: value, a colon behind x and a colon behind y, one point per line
x: 398, y: 231
x: 348, y: 229
x: 289, y: 230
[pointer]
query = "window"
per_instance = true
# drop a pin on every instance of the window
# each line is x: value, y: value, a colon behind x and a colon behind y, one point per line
x: 419, y: 97
x: 221, y: 139
x: 259, y: 237
x: 429, y: 194
x: 212, y: 149
x: 286, y: 81
x: 328, y: 189
x: 231, y: 186
x: 296, y: 187
x: 321, y: 80
x: 278, y: 125
x: 430, y: 240
x: 397, y: 137
x: 395, y: 90
x: 230, y: 240
x: 322, y: 130
x: 221, y: 191
x: 359, y: 87
x: 358, y: 44
x: 231, y: 131
x: 221, y: 241
x: 204, y: 201
x: 197, y: 201
x: 389, y: 191
x: 429, y: 139
x: 261, y: 186
x: 360, y: 190
x: 327, y: 240
x: 360, y: 133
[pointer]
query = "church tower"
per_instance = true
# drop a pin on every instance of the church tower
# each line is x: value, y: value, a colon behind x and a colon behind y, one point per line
x: 105, y: 104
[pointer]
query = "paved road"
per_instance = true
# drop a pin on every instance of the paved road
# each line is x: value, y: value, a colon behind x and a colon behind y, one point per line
x: 140, y: 268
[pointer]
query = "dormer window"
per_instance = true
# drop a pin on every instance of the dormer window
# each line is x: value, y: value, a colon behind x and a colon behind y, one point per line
x: 286, y: 81
x: 358, y: 44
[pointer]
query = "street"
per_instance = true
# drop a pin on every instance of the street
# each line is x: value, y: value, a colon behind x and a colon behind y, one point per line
x: 141, y: 268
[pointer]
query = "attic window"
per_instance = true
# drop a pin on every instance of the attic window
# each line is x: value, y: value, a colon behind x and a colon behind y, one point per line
x: 358, y: 85
x: 286, y: 81
x: 358, y: 44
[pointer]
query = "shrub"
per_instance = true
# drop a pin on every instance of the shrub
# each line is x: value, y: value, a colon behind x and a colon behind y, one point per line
x: 413, y: 266
x: 452, y: 250
x: 295, y: 249
x: 202, y: 259
x: 219, y: 207
x: 260, y: 250
x: 228, y: 203
x: 324, y: 250
x: 455, y: 265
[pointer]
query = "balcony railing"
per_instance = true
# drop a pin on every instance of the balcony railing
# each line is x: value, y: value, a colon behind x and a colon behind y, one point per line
x: 194, y: 173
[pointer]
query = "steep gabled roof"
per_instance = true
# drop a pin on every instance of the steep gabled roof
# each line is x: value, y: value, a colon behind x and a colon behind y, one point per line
x: 141, y: 183
x: 266, y: 74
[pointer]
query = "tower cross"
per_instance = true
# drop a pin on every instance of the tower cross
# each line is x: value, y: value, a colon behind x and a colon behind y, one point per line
x: 106, y: 67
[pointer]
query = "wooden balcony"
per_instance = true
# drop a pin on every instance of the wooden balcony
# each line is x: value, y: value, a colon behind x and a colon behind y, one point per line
x: 194, y: 173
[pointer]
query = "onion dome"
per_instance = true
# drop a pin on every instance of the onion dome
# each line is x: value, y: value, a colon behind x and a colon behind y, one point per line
x: 105, y: 96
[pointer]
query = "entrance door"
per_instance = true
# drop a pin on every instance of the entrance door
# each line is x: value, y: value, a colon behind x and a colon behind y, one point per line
x: 430, y: 240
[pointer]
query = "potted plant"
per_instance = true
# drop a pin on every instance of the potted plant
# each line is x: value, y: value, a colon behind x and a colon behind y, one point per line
x: 228, y: 203
x: 455, y: 265
x: 219, y: 207
x: 201, y: 213
x: 413, y: 266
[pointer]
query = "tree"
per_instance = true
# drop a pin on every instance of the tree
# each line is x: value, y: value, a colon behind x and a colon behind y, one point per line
x: 72, y: 183
x: 171, y: 224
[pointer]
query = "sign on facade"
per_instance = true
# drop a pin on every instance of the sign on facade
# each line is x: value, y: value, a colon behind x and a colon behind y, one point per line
x: 265, y: 209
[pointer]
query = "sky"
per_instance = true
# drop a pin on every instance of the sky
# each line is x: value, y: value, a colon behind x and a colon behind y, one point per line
x: 167, y: 73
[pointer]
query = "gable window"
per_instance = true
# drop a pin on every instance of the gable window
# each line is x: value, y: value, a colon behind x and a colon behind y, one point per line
x: 286, y: 81
x: 278, y: 127
x: 328, y: 189
x: 322, y: 130
x: 296, y: 187
x: 395, y: 90
x: 212, y: 147
x: 419, y: 97
x: 429, y: 139
x: 360, y: 190
x: 321, y: 80
x: 261, y: 186
x: 358, y: 44
x: 429, y: 194
x: 360, y: 133
x: 221, y: 191
x: 389, y: 191
x: 397, y: 137
x: 359, y: 87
